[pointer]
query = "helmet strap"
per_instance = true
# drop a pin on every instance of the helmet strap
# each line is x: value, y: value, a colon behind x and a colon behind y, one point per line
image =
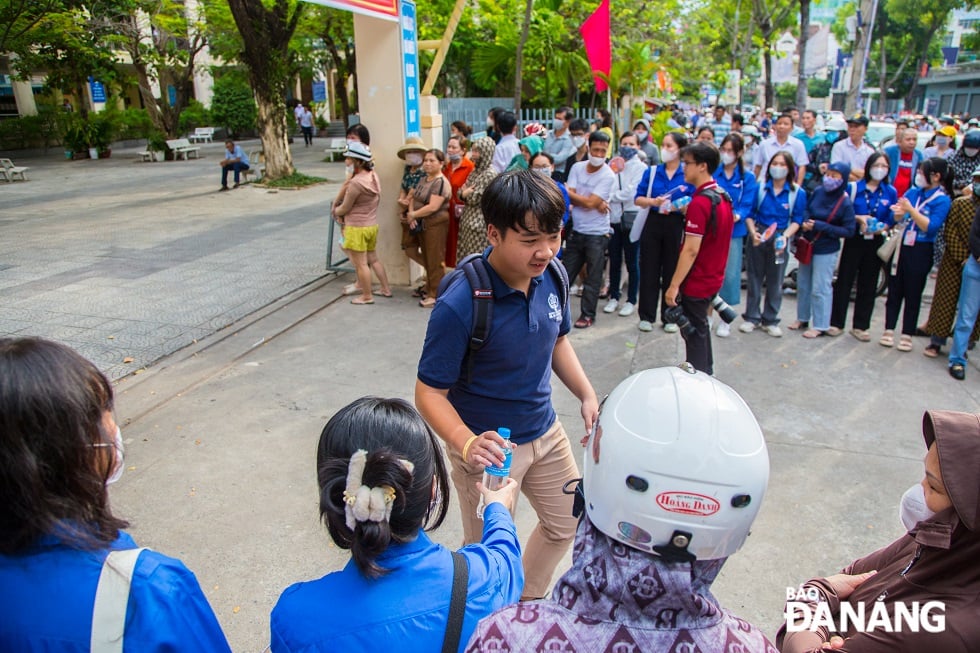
x: 676, y: 549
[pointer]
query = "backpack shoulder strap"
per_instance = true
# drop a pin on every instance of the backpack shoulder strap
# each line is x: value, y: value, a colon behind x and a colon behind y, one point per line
x: 852, y: 189
x: 112, y: 601
x: 760, y: 196
x: 792, y: 199
x: 457, y: 604
x: 474, y: 267
x: 561, y: 278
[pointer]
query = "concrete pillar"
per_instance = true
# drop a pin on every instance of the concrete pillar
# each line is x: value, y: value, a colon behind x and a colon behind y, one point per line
x: 382, y: 108
x: 431, y: 121
x: 24, y: 97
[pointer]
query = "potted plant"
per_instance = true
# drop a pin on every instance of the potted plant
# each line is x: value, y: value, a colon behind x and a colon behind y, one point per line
x: 102, y: 129
x: 156, y: 143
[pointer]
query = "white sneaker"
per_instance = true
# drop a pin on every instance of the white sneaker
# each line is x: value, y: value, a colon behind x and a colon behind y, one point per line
x: 746, y: 327
x: 611, y: 306
x: 575, y: 290
x: 724, y: 330
x: 645, y: 325
x: 626, y: 310
x: 773, y: 330
x: 670, y: 327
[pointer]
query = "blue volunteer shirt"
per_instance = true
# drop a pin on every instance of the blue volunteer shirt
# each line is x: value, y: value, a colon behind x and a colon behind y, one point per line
x: 876, y: 203
x: 934, y: 204
x: 743, y: 188
x: 776, y: 209
x: 662, y: 185
x: 511, y: 384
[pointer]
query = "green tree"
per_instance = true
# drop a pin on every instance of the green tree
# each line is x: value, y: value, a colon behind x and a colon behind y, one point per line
x: 233, y: 104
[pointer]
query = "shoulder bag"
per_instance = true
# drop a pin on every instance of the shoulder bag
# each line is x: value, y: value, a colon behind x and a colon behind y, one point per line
x: 640, y: 220
x: 804, y: 247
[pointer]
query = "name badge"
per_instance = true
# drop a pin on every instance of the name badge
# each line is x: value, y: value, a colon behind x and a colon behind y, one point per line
x: 909, y: 238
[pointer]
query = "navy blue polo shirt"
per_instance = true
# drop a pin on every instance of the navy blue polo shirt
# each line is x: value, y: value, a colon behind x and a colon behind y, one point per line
x: 511, y: 384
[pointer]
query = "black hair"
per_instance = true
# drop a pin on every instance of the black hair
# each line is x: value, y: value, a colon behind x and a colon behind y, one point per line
x: 708, y: 129
x: 546, y: 155
x: 784, y: 114
x: 680, y: 139
x: 506, y: 121
x: 702, y: 152
x: 938, y: 165
x: 738, y: 144
x: 361, y: 132
x: 790, y: 165
x: 568, y: 112
x: 625, y: 134
x: 52, y: 480
x: 605, y: 118
x: 873, y: 159
x: 462, y: 127
x: 389, y: 430
x: 738, y: 118
x: 494, y: 112
x: 720, y: 106
x: 810, y: 111
x: 599, y: 137
x: 512, y: 196
x: 578, y: 125
x: 437, y: 153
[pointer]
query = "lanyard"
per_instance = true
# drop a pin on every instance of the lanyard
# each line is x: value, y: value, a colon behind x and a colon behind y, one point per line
x: 919, y: 205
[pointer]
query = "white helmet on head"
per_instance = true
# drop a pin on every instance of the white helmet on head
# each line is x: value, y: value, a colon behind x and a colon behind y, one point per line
x: 836, y: 125
x: 677, y: 466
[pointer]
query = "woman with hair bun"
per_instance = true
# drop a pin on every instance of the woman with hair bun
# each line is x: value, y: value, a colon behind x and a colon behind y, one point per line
x: 72, y: 579
x: 383, y: 484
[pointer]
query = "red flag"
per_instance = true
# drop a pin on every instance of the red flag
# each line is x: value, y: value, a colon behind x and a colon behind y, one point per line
x: 598, y: 45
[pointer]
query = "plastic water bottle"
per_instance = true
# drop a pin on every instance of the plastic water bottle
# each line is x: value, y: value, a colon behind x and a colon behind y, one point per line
x: 681, y: 202
x: 780, y: 249
x: 495, y: 477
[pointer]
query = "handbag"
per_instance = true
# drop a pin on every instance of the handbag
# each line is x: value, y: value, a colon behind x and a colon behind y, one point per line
x: 628, y: 219
x: 804, y: 247
x: 887, y: 249
x: 640, y: 220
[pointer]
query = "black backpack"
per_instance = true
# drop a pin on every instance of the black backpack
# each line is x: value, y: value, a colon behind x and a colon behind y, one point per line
x: 474, y: 267
x: 717, y: 195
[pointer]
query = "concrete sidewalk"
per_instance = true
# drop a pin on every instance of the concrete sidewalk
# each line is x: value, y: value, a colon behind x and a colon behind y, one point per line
x: 221, y: 441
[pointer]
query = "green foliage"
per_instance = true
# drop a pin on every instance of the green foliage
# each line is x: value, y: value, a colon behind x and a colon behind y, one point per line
x: 233, y: 105
x: 785, y: 95
x: 818, y: 88
x: 194, y: 115
x: 133, y: 123
x: 295, y: 180
x: 29, y: 131
x: 156, y: 141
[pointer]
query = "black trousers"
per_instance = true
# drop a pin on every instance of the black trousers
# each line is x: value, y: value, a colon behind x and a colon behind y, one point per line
x: 858, y: 260
x: 660, y: 246
x: 907, y: 285
x: 698, y: 344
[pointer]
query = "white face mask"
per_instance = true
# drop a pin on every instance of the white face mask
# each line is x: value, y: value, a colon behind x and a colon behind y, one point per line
x: 778, y: 172
x: 350, y: 170
x: 942, y: 141
x: 596, y: 161
x: 413, y: 159
x: 970, y: 151
x: 920, y: 180
x: 913, y: 508
x: 727, y: 158
x: 879, y: 172
x: 578, y: 141
x: 667, y: 155
x: 117, y: 464
x: 544, y: 172
x: 455, y: 158
x: 641, y: 135
x: 557, y: 124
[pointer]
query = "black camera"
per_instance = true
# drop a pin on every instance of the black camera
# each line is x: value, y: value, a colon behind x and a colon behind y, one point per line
x: 676, y: 315
x: 725, y: 312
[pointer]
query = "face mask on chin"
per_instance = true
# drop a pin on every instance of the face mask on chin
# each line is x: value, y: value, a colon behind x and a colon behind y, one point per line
x: 596, y: 161
x: 455, y: 158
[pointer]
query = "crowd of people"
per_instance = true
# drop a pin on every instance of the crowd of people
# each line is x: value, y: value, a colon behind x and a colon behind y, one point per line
x: 825, y: 196
x: 648, y: 542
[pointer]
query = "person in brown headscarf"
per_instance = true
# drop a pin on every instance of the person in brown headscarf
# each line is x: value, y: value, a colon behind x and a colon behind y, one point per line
x: 472, y: 237
x: 938, y: 560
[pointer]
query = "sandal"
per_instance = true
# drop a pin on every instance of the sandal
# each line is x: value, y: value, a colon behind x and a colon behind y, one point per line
x: 360, y: 301
x: 833, y: 331
x: 887, y: 339
x: 905, y: 344
x: 931, y: 351
x: 861, y: 334
x: 799, y: 324
x: 813, y: 333
x: 381, y: 293
x: 419, y: 292
x: 351, y: 289
x: 428, y: 302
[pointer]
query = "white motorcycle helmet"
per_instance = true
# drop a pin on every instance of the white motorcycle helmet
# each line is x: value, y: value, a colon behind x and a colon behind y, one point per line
x: 677, y: 465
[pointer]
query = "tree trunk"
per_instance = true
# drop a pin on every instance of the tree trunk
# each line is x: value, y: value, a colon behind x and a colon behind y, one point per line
x: 853, y: 100
x: 801, y: 83
x: 883, y: 82
x: 265, y: 34
x: 519, y: 72
x: 922, y: 60
x: 770, y: 92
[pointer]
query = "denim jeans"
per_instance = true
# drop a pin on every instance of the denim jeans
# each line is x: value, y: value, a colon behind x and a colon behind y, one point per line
x: 590, y: 251
x: 238, y: 166
x: 620, y: 245
x: 731, y: 290
x: 966, y: 311
x: 815, y: 291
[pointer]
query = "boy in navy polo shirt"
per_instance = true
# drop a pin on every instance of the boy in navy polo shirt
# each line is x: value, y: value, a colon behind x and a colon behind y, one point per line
x: 510, y: 384
x: 700, y: 269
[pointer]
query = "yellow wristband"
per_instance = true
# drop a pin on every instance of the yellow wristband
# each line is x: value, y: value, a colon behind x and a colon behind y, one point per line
x: 466, y: 447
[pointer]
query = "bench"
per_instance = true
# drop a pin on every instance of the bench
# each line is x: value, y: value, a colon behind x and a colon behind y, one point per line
x: 10, y: 172
x: 337, y: 146
x: 183, y: 148
x: 202, y: 135
x: 256, y: 165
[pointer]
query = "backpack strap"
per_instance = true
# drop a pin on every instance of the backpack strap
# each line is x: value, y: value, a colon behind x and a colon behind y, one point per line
x: 112, y: 601
x: 457, y: 604
x: 561, y: 277
x: 475, y: 269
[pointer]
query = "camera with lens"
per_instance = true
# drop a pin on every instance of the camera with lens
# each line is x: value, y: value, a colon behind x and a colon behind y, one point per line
x: 725, y: 312
x: 676, y: 315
